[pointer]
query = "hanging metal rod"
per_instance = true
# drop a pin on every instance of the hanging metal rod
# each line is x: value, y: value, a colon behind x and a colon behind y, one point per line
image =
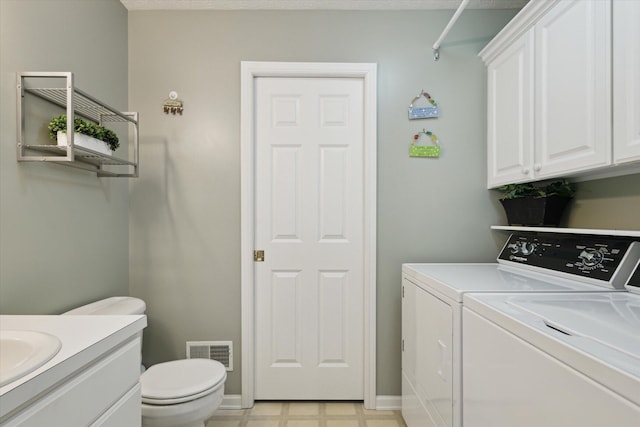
x: 454, y: 18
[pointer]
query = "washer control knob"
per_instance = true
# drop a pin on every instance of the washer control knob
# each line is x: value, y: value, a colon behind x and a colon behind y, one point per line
x: 528, y: 248
x: 514, y: 248
x: 591, y: 257
x: 524, y: 248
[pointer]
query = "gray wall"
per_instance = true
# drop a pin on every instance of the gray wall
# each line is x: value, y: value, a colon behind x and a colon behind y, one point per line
x: 63, y: 232
x: 185, y: 207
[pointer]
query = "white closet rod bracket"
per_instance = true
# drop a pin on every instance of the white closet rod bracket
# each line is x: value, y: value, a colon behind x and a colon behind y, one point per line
x: 452, y: 21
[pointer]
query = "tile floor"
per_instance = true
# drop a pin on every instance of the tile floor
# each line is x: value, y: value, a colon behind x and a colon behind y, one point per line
x: 306, y: 414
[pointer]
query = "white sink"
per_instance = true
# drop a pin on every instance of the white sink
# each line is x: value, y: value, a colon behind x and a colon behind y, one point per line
x: 22, y: 352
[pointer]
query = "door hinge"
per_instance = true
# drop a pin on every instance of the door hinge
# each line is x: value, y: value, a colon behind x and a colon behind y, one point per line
x: 402, y: 345
x: 258, y: 256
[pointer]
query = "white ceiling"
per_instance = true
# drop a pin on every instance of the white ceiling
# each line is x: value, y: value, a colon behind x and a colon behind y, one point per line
x: 317, y: 4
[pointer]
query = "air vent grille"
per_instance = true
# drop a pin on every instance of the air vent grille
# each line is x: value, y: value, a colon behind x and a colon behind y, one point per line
x: 222, y: 351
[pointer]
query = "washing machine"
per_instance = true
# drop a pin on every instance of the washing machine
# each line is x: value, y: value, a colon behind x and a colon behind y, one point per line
x: 433, y: 300
x: 550, y: 360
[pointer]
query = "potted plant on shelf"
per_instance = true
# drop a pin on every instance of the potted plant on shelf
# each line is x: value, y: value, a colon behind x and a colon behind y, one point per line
x: 85, y: 134
x: 536, y: 205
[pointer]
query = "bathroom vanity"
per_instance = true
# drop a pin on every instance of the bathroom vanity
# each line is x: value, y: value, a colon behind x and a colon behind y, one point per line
x: 93, y: 380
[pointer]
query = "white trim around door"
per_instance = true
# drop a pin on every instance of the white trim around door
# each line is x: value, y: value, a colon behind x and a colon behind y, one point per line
x: 368, y: 74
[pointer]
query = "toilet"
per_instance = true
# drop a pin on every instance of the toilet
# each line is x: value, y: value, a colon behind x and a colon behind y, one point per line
x: 179, y: 393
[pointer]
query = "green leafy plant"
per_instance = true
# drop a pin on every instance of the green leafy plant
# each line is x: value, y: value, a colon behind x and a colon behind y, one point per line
x: 562, y: 188
x: 59, y: 124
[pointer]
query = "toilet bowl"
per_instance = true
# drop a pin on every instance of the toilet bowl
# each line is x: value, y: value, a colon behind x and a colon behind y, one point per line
x: 179, y: 393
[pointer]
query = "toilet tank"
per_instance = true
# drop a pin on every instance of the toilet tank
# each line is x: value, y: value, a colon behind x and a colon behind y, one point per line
x: 111, y: 306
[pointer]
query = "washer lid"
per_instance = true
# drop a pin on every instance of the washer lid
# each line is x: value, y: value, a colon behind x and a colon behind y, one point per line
x: 181, y: 378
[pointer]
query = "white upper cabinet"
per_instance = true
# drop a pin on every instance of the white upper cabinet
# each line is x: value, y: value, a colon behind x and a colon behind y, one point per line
x: 626, y: 81
x: 573, y: 88
x: 510, y: 113
x: 549, y: 92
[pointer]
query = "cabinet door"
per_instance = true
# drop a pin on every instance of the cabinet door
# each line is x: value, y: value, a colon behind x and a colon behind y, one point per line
x: 125, y: 412
x: 573, y: 88
x: 510, y: 110
x: 626, y: 84
x: 84, y: 396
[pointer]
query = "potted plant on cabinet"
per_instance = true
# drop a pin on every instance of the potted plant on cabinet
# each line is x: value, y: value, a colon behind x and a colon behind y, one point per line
x: 536, y: 205
x: 86, y: 134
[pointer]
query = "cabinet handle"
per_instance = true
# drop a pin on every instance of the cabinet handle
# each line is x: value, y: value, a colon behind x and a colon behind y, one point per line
x: 525, y: 171
x: 537, y: 167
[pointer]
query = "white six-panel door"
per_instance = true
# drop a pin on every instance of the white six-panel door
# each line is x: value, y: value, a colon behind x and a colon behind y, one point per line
x: 309, y: 220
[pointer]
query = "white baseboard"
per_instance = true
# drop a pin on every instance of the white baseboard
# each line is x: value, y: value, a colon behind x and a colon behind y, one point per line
x: 383, y: 403
x: 231, y: 401
x: 388, y: 403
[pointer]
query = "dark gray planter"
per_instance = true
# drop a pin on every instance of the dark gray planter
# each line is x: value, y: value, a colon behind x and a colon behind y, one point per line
x: 535, y: 211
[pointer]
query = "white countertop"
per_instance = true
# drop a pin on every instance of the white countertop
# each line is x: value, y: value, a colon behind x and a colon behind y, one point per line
x: 83, y: 338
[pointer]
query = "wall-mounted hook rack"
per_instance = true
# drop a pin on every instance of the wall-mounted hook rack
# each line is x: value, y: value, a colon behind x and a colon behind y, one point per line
x: 172, y: 105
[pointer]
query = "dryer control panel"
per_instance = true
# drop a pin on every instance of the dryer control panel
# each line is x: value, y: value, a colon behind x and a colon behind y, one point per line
x: 634, y: 281
x: 603, y: 260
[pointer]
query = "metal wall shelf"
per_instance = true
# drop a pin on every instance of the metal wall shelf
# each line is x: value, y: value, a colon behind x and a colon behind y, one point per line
x: 64, y: 94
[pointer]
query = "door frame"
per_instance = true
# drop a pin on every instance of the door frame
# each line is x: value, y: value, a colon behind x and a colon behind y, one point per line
x: 249, y: 71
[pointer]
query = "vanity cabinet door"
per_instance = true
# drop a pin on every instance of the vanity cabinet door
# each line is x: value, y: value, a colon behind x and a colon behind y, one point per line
x: 83, y: 398
x: 626, y: 83
x: 510, y: 114
x: 125, y: 412
x: 573, y: 88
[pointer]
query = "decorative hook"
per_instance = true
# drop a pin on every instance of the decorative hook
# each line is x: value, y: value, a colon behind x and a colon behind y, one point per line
x: 432, y: 136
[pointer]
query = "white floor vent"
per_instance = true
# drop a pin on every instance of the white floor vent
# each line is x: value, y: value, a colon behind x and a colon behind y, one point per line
x: 222, y: 351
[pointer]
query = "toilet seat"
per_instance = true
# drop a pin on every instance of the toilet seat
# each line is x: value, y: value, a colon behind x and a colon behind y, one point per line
x: 180, y: 381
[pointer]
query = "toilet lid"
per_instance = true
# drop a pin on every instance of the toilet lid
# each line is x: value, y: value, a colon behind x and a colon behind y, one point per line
x: 181, y: 380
